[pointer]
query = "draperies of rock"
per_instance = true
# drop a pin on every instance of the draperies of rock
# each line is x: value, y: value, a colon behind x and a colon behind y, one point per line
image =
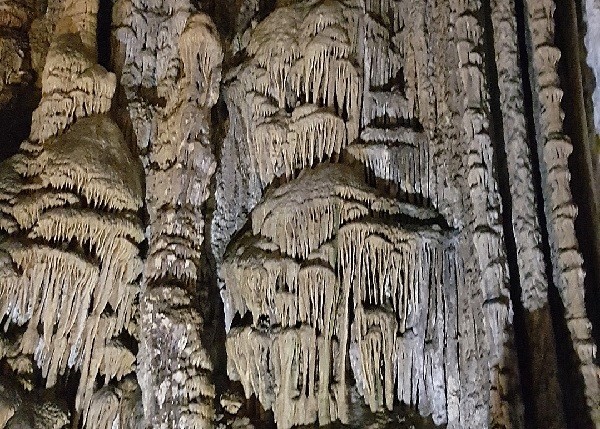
x: 383, y: 200
x: 396, y: 276
x: 399, y: 148
x: 70, y: 262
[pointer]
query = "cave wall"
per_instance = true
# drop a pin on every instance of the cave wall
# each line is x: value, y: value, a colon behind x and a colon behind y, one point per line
x: 295, y: 213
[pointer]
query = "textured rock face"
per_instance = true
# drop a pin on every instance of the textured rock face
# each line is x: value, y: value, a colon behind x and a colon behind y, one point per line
x: 182, y: 67
x: 392, y: 284
x: 330, y: 207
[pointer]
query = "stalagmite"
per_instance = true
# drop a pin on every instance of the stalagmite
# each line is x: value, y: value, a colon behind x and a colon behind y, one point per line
x: 116, y: 406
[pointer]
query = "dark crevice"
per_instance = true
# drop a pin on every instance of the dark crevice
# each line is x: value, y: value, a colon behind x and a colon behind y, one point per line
x: 234, y: 17
x: 396, y: 84
x: 18, y: 101
x: 526, y: 372
x: 15, y: 120
x: 103, y: 33
x: 208, y: 290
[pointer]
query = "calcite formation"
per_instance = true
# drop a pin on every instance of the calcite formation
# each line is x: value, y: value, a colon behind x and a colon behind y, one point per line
x: 302, y: 288
x: 70, y: 256
x: 325, y: 215
x: 554, y: 148
x: 183, y: 69
x: 297, y: 212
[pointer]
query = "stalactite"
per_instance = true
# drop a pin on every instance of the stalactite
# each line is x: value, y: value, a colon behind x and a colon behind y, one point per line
x: 67, y: 265
x: 352, y: 183
x: 69, y: 278
x: 304, y: 305
x: 322, y: 201
x: 486, y: 206
x: 528, y: 240
x: 300, y: 62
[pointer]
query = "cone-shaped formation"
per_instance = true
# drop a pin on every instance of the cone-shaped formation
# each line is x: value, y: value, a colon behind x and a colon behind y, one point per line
x: 117, y: 406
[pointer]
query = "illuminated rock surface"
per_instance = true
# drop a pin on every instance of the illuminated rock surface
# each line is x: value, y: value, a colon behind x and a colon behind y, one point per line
x: 299, y: 213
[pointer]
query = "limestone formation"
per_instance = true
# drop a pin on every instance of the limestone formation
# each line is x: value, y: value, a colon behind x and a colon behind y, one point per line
x: 173, y: 136
x: 298, y: 212
x: 71, y: 258
x: 397, y: 146
x: 554, y: 148
x: 15, y: 18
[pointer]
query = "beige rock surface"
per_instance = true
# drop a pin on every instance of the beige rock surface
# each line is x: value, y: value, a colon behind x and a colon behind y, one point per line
x: 296, y: 213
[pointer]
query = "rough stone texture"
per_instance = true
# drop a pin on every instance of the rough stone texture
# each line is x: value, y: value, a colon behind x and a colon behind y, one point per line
x: 592, y: 18
x: 15, y: 19
x: 369, y: 188
x: 182, y: 67
x: 70, y: 258
x: 527, y: 233
x: 554, y: 147
x: 401, y: 149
